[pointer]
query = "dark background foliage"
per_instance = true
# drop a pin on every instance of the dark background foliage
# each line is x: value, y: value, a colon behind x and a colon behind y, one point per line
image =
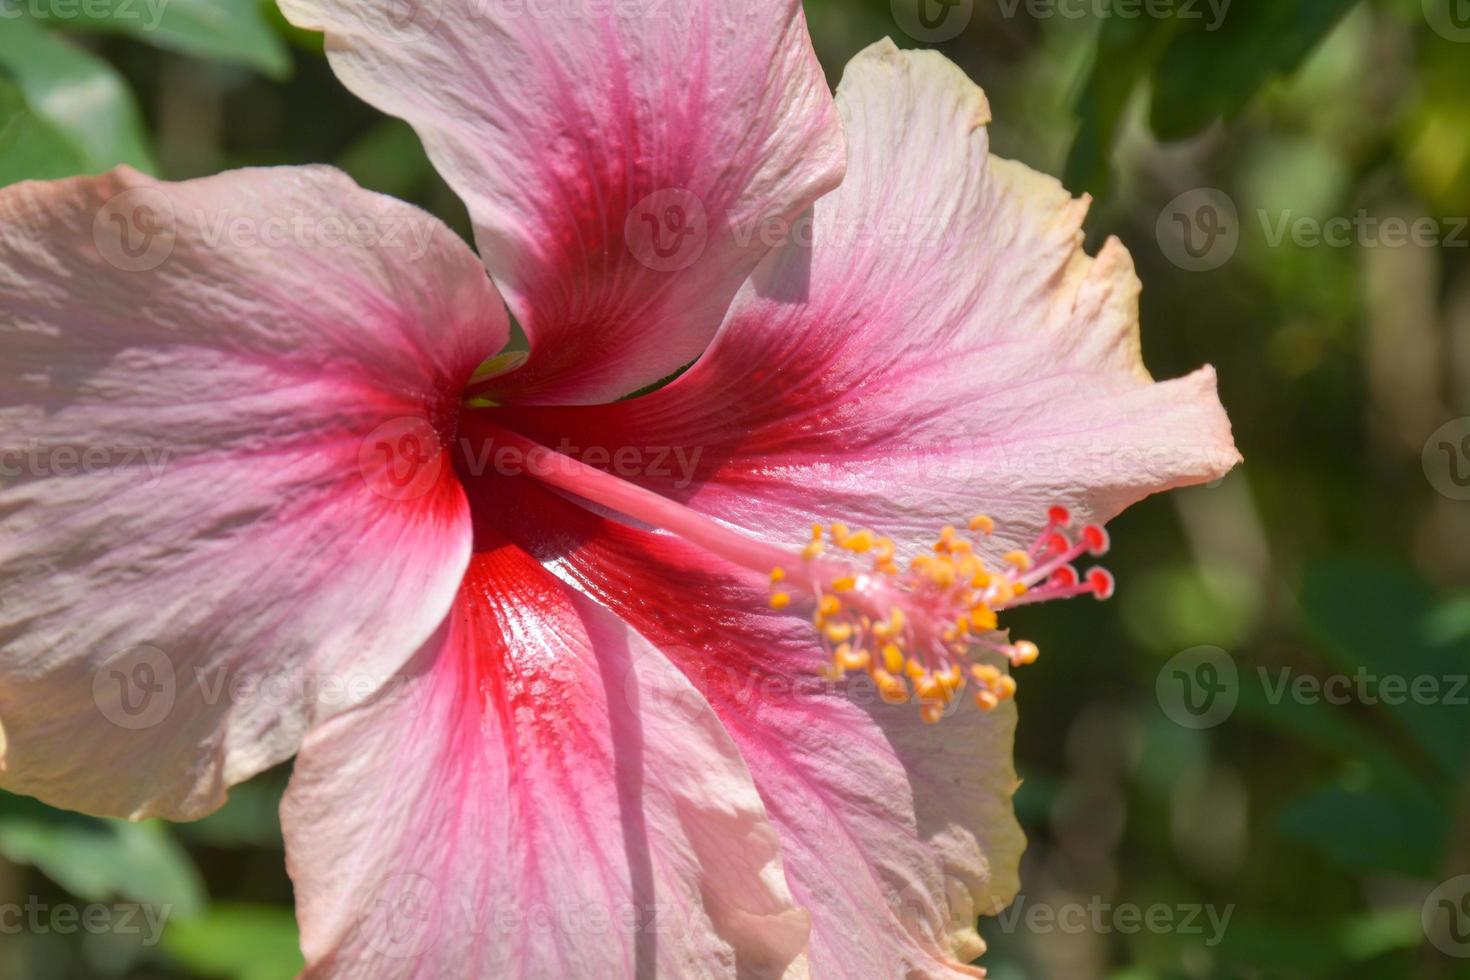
x: 1255, y: 762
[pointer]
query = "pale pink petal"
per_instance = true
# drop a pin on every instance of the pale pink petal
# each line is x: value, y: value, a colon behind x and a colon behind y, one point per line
x: 548, y: 797
x: 935, y: 344
x: 573, y: 130
x: 206, y: 538
x: 894, y: 835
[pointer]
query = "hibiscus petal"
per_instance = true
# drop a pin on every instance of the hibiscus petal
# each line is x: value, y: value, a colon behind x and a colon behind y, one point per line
x: 201, y: 546
x: 936, y: 343
x: 618, y: 159
x: 894, y: 834
x: 546, y: 797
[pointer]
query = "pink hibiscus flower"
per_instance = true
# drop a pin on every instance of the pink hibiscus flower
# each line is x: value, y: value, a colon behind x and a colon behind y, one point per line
x: 546, y: 659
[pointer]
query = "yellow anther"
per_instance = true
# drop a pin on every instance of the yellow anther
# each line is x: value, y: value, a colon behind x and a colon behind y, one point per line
x: 931, y: 714
x: 985, y: 675
x: 778, y: 574
x: 1005, y: 688
x: 986, y: 699
x: 896, y: 619
x: 980, y: 580
x: 812, y: 550
x: 839, y: 533
x: 885, y: 548
x: 860, y: 541
x: 1024, y: 652
x: 851, y: 659
x: 844, y: 584
x: 914, y: 670
x: 780, y: 600
x: 983, y: 619
x: 892, y: 658
x: 829, y: 605
x: 929, y: 689
x: 890, y: 688
x: 946, y: 539
x: 941, y: 573
x: 816, y: 532
x: 839, y: 632
x: 1019, y: 559
x: 983, y: 524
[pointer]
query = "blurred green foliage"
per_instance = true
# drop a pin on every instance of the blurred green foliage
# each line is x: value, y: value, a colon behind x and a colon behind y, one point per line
x: 1318, y: 824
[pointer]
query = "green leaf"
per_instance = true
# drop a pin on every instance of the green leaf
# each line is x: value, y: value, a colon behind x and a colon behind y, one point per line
x: 1206, y: 75
x: 1301, y: 949
x: 1450, y: 623
x: 238, y: 942
x: 78, y: 94
x: 1201, y: 68
x: 389, y: 159
x: 1127, y: 49
x: 234, y: 31
x: 1434, y: 140
x: 99, y: 859
x: 249, y: 818
x: 30, y: 147
x: 1377, y: 623
x: 1370, y: 830
x: 1265, y: 696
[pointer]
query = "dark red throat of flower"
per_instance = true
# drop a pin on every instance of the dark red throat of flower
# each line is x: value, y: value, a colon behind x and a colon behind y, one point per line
x: 923, y: 630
